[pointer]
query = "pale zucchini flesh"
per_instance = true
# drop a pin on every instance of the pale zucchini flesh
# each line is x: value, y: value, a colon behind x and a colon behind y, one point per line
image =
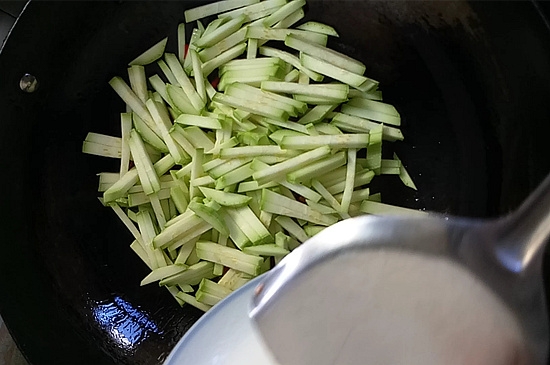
x: 269, y: 154
x: 130, y: 98
x: 283, y: 12
x: 324, y: 54
x: 255, y: 11
x: 291, y: 59
x: 151, y: 55
x: 280, y: 34
x: 230, y: 27
x: 290, y: 20
x: 317, y: 27
x: 215, y: 8
x: 332, y: 71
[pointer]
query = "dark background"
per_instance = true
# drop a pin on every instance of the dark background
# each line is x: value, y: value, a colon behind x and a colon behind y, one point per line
x: 471, y: 81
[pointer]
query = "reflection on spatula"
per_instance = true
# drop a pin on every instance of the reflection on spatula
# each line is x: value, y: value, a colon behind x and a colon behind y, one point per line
x: 434, y: 290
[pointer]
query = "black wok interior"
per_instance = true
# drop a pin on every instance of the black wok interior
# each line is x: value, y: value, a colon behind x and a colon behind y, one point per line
x: 471, y: 81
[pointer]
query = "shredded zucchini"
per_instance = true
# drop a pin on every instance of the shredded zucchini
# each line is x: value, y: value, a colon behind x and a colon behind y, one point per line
x: 232, y: 174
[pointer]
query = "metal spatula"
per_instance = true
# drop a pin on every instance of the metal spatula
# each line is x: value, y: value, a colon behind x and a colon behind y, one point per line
x: 434, y: 290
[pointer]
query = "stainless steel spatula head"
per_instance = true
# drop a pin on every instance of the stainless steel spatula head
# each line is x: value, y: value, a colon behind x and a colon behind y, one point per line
x: 434, y: 290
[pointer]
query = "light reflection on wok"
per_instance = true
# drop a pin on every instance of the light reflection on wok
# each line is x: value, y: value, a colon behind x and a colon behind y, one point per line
x: 126, y: 325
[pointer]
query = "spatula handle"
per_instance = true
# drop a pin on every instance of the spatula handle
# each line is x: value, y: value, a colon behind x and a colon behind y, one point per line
x: 524, y: 234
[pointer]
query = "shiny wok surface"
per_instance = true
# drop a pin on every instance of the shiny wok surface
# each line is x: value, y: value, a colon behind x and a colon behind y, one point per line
x: 471, y: 81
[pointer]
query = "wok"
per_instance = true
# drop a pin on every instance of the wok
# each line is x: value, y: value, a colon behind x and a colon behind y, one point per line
x: 471, y: 81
